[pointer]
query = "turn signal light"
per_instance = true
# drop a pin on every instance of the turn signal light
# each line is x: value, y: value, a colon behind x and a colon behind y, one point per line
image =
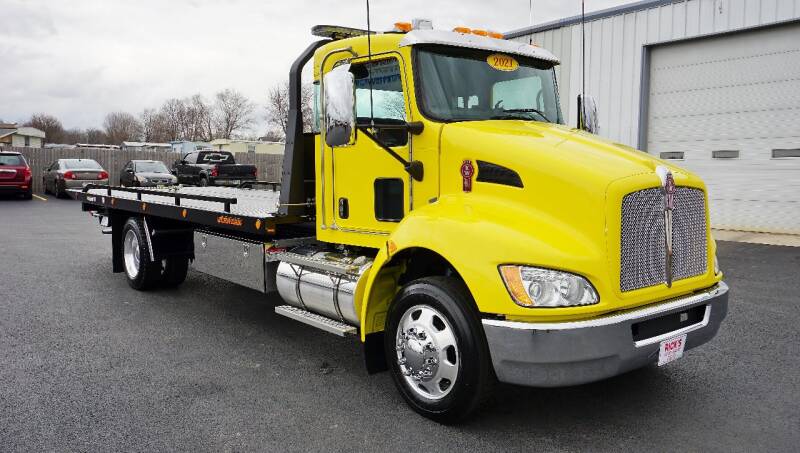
x: 215, y: 171
x: 403, y: 27
x: 480, y: 32
x: 69, y: 175
x: 496, y: 35
x: 462, y: 30
x: 102, y: 175
x: 26, y: 173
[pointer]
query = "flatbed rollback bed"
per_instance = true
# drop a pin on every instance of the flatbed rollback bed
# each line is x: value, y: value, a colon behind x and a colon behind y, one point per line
x: 238, y: 211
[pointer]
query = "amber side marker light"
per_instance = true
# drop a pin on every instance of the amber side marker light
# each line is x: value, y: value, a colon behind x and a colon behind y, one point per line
x: 495, y: 35
x: 480, y: 32
x: 462, y: 30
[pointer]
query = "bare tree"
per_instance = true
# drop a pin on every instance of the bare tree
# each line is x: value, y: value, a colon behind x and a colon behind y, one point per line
x: 187, y: 119
x: 122, y: 126
x: 232, y: 113
x: 278, y: 107
x: 96, y: 136
x: 73, y: 136
x: 154, y: 126
x: 273, y: 135
x: 50, y: 125
x: 199, y: 118
x: 172, y: 112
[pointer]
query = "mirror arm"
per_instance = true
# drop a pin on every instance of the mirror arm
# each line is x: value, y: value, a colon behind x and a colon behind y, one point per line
x: 414, y: 168
x: 413, y: 127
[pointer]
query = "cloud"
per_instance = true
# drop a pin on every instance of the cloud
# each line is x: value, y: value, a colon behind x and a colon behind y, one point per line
x: 84, y: 58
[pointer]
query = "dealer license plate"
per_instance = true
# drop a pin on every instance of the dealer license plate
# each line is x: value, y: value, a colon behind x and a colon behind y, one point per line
x: 671, y: 350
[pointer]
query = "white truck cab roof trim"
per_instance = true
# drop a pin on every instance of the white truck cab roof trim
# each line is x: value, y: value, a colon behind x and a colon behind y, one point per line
x: 451, y: 38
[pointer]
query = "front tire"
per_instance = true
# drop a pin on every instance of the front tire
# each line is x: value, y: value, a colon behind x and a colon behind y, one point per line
x: 142, y: 273
x: 437, y: 351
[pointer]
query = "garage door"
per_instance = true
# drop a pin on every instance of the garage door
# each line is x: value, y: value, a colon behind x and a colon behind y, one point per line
x: 728, y: 108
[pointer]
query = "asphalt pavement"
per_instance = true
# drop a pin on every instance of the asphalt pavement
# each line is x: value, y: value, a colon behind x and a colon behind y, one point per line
x: 88, y: 364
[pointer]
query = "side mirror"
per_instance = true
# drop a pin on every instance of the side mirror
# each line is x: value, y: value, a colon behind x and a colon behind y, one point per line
x: 129, y: 170
x: 587, y: 114
x: 339, y: 102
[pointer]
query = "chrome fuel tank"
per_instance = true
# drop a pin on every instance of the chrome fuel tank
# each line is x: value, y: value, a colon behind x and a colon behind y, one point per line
x: 322, y: 282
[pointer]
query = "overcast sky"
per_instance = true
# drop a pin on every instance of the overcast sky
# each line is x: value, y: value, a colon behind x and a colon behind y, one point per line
x: 80, y: 59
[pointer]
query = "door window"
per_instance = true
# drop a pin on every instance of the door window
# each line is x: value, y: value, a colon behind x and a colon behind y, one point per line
x: 387, y: 103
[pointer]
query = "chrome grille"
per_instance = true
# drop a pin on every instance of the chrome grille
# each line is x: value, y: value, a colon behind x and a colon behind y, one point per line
x: 643, y: 246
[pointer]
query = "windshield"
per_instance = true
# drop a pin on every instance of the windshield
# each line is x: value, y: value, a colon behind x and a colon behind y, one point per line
x: 464, y: 85
x: 80, y: 164
x: 151, y: 167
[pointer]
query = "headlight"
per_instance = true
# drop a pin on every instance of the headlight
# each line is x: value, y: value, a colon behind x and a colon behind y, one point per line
x: 536, y: 287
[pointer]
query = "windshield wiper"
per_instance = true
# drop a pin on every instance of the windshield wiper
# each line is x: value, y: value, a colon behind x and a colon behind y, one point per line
x: 512, y: 116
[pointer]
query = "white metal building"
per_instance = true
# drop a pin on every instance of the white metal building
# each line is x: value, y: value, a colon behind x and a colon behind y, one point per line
x: 712, y: 84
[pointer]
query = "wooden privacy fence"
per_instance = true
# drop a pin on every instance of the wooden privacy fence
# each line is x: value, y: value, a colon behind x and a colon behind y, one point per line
x: 112, y: 160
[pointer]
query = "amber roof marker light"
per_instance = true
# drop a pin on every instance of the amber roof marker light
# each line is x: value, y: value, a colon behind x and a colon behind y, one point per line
x: 403, y: 27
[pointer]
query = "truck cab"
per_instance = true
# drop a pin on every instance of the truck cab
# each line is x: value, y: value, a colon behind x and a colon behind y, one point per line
x: 579, y: 256
x: 442, y: 212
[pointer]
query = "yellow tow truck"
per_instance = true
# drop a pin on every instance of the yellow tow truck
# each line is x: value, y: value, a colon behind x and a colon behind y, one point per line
x: 443, y: 213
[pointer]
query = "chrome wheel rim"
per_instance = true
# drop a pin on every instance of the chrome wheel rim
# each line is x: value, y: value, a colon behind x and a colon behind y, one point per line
x: 131, y: 254
x: 427, y: 352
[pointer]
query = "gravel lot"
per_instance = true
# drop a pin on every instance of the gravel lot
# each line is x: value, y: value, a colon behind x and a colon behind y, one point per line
x: 87, y: 364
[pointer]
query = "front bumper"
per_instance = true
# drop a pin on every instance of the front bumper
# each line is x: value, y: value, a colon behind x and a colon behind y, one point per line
x: 571, y: 353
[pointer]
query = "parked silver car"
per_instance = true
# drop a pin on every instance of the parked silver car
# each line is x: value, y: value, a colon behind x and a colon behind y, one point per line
x: 66, y: 174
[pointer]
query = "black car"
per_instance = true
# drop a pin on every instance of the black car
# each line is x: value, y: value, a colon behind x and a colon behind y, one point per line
x: 146, y: 173
x: 208, y: 168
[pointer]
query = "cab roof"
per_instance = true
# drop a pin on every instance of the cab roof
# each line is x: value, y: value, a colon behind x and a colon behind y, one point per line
x: 354, y: 42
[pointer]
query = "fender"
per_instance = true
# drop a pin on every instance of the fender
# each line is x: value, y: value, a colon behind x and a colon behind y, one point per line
x: 456, y: 227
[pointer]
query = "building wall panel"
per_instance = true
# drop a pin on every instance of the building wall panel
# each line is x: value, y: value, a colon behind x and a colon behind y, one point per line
x: 613, y: 75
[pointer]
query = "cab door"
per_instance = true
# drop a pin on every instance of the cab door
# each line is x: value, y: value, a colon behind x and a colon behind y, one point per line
x: 184, y: 168
x: 370, y: 190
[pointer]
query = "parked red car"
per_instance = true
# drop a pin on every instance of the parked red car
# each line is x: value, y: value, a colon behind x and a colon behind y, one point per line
x: 15, y: 174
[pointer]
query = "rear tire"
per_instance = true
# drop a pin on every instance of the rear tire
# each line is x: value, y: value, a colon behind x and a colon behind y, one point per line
x: 175, y: 269
x: 142, y: 273
x: 437, y: 351
x: 59, y: 192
